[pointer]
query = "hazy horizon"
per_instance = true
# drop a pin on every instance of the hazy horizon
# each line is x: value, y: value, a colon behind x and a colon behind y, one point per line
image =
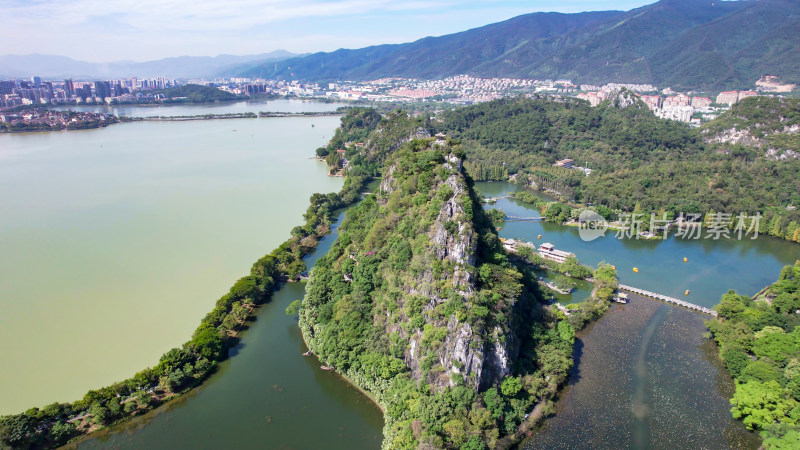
x: 147, y: 30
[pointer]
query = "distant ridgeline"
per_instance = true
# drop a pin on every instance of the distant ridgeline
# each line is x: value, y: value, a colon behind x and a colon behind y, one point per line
x: 183, y: 368
x: 418, y: 304
x: 685, y: 44
x: 759, y: 341
x: 641, y: 163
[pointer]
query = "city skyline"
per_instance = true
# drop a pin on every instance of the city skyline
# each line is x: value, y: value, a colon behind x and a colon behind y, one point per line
x: 150, y: 30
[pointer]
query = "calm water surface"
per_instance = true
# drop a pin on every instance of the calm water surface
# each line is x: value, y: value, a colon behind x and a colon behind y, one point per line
x: 267, y: 396
x: 177, y: 109
x: 713, y: 266
x: 119, y: 240
x: 645, y: 378
x: 115, y: 242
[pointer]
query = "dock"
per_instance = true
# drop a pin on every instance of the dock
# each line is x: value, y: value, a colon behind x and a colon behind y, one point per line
x: 668, y: 299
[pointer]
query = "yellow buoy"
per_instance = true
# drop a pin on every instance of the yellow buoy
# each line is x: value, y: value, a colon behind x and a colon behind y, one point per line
x: 685, y: 259
x: 540, y: 236
x: 498, y: 228
x: 687, y: 292
x: 636, y: 270
x: 614, y: 267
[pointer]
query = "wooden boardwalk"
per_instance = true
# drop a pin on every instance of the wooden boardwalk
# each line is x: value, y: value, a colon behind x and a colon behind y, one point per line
x: 668, y: 299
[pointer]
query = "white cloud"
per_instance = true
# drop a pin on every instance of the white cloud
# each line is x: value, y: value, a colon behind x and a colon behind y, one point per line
x: 106, y: 30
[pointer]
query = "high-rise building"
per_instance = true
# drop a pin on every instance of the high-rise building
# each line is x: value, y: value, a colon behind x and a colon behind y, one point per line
x: 7, y: 87
x: 102, y: 89
x: 47, y: 90
x: 69, y: 88
x: 37, y: 81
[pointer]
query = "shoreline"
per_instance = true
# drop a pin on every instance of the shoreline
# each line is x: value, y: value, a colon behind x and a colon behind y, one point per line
x: 347, y: 379
x: 102, y: 407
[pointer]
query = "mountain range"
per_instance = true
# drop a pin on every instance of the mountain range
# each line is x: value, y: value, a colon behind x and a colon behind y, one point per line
x: 708, y: 45
x: 50, y: 66
x: 685, y: 44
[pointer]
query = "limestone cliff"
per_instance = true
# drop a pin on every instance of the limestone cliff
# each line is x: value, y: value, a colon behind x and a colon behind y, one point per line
x: 417, y: 303
x: 445, y: 341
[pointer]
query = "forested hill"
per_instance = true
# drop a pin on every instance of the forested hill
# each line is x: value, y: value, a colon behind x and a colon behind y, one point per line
x: 640, y: 163
x: 417, y: 303
x: 196, y: 93
x: 769, y: 124
x: 685, y: 44
x: 759, y: 341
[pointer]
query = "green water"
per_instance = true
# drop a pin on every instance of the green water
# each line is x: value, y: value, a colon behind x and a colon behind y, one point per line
x: 713, y: 266
x: 115, y: 242
x: 267, y: 396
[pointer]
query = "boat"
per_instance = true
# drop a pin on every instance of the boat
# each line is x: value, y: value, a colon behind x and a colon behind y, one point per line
x: 687, y: 292
x: 635, y: 270
x: 307, y: 353
x: 326, y: 367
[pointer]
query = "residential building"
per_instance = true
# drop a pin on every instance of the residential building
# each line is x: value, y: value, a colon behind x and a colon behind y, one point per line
x: 728, y: 97
x: 701, y: 102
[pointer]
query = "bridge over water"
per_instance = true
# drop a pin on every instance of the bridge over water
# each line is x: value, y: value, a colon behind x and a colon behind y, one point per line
x: 668, y: 299
x: 522, y: 219
x: 645, y: 293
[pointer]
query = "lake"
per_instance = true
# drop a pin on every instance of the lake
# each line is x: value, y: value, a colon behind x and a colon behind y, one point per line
x: 266, y: 395
x: 115, y: 242
x: 133, y: 231
x: 189, y: 109
x: 712, y: 267
x: 644, y: 378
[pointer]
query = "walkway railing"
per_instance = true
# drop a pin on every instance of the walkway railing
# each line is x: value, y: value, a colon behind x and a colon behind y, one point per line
x: 668, y: 299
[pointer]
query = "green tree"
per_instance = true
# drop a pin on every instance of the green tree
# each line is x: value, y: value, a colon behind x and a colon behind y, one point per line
x: 736, y: 359
x: 61, y: 432
x: 566, y: 332
x: 759, y: 404
x: 207, y: 343
x: 511, y: 386
x: 775, y: 345
x: 781, y: 436
x: 762, y: 371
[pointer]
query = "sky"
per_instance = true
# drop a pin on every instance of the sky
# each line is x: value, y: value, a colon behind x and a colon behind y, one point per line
x: 142, y: 30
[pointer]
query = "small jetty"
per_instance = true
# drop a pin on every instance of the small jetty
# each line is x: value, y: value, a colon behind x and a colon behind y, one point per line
x: 668, y: 299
